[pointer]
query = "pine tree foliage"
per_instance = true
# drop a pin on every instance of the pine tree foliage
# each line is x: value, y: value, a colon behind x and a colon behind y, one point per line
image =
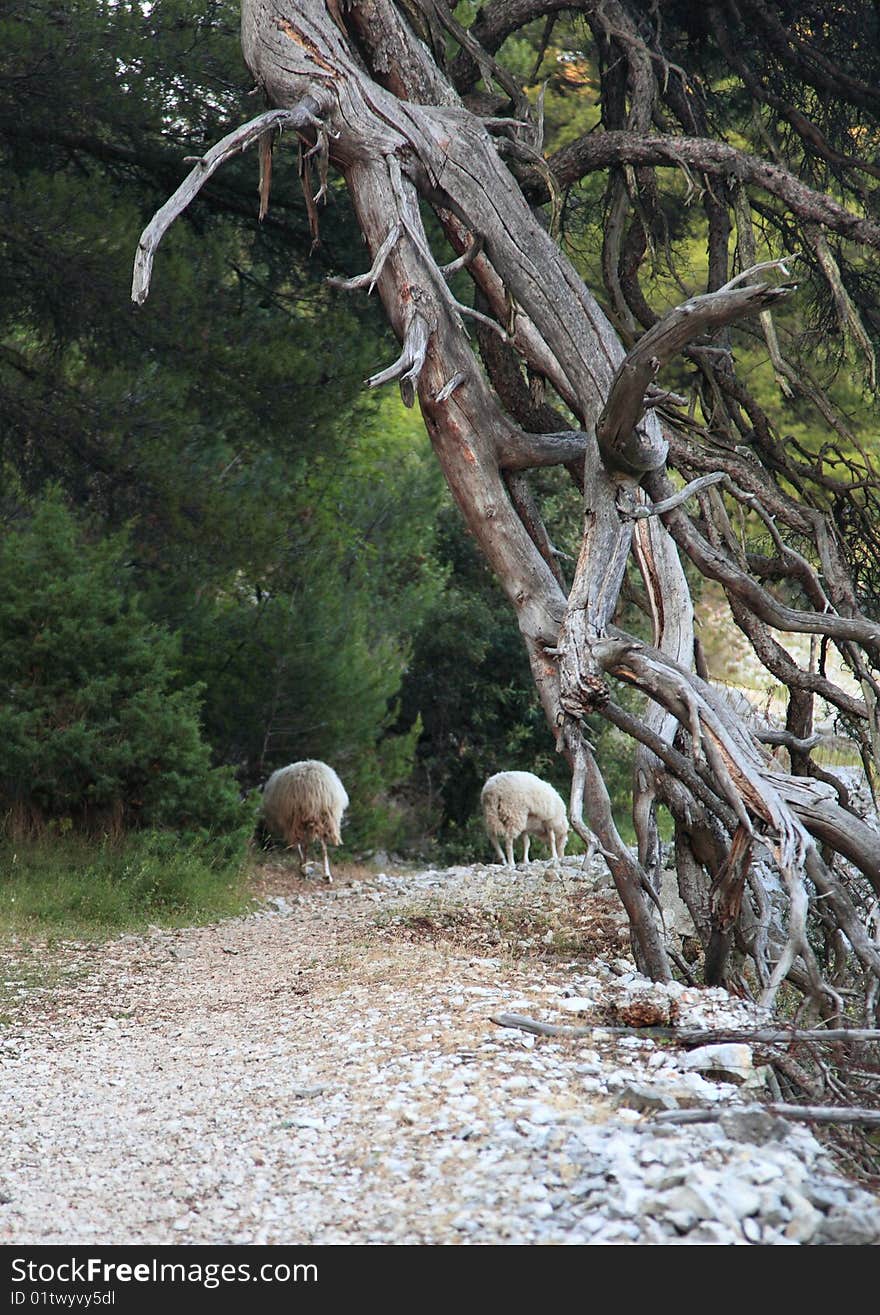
x: 96, y: 732
x: 290, y: 584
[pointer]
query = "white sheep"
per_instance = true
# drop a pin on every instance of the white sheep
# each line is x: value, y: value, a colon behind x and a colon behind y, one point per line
x: 517, y: 803
x: 303, y: 802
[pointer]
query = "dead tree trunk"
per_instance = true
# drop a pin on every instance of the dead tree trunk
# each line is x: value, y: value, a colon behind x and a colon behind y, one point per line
x: 365, y: 97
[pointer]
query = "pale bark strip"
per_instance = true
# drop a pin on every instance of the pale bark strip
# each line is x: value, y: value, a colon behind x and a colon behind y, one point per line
x: 689, y: 1038
x: 672, y: 616
x: 642, y: 511
x: 536, y: 1028
x: 796, y: 937
x: 450, y: 386
x: 470, y: 253
x: 408, y: 366
x: 605, y: 546
x: 305, y: 115
x: 791, y: 742
x: 630, y: 881
x: 797, y: 1113
x: 872, y: 993
x: 368, y: 280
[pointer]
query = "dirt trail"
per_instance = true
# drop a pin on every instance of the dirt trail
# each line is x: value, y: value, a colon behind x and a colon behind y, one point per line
x: 324, y: 1071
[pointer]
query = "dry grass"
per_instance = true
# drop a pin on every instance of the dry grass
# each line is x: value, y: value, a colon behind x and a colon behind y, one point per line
x: 282, y: 874
x: 577, y: 926
x: 554, y: 923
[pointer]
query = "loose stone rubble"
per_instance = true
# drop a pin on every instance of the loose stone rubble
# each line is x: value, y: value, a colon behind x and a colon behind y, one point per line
x: 309, y: 1074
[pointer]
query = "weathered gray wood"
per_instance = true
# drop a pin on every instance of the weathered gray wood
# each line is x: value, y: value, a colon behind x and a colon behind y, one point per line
x: 522, y: 451
x: 302, y: 116
x: 690, y: 1038
x: 641, y: 511
x: 797, y: 1113
x: 537, y: 1028
x: 368, y: 280
x: 627, y: 397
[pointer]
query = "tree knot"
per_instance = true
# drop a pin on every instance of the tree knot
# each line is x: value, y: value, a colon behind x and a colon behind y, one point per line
x: 591, y: 693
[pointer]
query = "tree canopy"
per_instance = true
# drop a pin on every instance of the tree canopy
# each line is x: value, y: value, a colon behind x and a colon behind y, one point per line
x: 668, y: 219
x: 214, y: 444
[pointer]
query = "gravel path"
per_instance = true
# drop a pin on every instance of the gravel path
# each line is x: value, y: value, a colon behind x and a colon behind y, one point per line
x: 326, y: 1071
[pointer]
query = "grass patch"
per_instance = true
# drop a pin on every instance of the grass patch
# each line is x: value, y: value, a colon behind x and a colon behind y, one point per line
x: 25, y: 973
x: 69, y: 887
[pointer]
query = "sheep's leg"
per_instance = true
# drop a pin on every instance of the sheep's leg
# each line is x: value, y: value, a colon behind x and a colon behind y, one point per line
x: 326, y: 861
x: 498, y: 850
x: 553, y: 849
x: 508, y: 845
x: 525, y: 847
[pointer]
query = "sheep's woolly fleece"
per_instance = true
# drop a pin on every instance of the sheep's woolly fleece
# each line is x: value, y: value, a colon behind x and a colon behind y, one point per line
x: 305, y: 801
x: 516, y: 803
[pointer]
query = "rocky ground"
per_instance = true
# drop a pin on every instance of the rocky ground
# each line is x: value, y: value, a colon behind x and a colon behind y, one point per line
x: 326, y: 1070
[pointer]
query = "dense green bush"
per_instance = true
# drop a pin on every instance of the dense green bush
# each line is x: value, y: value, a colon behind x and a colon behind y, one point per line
x: 96, y: 735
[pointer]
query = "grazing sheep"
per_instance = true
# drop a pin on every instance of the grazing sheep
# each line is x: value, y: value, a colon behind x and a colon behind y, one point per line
x: 304, y: 802
x: 516, y: 803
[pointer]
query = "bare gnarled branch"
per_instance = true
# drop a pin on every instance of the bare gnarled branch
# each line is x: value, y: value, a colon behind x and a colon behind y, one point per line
x: 301, y: 117
x: 408, y: 366
x: 620, y: 442
x: 602, y: 149
x: 368, y: 280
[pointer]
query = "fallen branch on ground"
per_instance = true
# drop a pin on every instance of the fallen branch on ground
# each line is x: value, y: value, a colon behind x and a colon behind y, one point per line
x: 688, y: 1037
x: 798, y: 1113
